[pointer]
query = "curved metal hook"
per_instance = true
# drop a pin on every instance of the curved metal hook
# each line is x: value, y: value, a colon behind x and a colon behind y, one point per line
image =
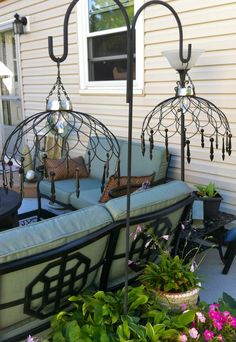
x: 65, y: 35
x: 65, y: 31
x: 157, y: 2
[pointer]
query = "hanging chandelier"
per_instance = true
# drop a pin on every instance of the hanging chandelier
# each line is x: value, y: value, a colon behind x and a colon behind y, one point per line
x: 62, y: 131
x: 187, y: 114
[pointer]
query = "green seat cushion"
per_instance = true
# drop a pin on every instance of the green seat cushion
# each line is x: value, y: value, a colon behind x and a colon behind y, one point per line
x: 86, y: 198
x: 150, y: 200
x: 64, y: 188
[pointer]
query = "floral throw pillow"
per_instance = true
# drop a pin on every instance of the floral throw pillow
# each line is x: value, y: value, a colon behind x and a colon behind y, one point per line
x: 113, y: 182
x: 59, y: 166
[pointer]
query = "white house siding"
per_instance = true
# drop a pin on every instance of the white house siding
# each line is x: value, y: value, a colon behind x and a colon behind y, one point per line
x: 208, y: 24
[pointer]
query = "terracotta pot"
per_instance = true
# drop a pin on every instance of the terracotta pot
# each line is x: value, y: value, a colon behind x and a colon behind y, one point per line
x: 176, y: 301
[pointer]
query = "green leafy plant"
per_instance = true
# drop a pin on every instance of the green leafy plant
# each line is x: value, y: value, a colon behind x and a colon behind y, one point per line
x: 99, y: 317
x: 168, y: 273
x: 208, y: 190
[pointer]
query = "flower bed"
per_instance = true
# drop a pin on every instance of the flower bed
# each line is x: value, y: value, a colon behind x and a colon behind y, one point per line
x: 99, y: 317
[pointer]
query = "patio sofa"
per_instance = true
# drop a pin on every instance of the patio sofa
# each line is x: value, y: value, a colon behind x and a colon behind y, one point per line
x: 90, y: 187
x: 43, y: 263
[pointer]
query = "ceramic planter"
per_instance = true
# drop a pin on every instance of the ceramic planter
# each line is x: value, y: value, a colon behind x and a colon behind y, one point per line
x: 177, y: 301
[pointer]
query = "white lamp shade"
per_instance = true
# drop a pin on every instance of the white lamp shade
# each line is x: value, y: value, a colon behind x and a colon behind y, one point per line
x: 176, y: 63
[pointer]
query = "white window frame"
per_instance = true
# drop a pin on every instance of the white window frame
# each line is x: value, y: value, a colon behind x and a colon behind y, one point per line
x: 5, y: 26
x: 108, y: 87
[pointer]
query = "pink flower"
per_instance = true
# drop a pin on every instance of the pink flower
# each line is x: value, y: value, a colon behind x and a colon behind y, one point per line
x: 193, y: 333
x: 214, y: 307
x: 218, y: 325
x: 165, y: 237
x: 183, y: 307
x: 183, y: 338
x: 201, y: 317
x: 215, y: 315
x: 136, y: 232
x: 226, y: 313
x: 208, y: 335
x: 232, y: 322
x: 193, y: 266
x: 220, y: 338
x: 30, y: 339
x: 147, y: 244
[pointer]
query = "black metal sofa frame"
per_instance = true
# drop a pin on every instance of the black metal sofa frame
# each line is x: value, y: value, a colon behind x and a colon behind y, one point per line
x: 54, y: 298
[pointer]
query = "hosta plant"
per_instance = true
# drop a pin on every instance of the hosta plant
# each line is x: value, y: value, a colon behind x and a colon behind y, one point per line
x: 100, y: 318
x: 168, y: 273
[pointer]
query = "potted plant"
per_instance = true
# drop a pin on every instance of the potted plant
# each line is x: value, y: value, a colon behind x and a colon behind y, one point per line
x: 174, y: 280
x: 211, y: 199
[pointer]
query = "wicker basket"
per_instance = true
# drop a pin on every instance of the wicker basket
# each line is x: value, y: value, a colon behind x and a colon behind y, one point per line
x: 177, y: 301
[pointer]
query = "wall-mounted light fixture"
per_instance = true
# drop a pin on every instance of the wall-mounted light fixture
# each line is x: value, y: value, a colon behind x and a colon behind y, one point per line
x: 19, y: 23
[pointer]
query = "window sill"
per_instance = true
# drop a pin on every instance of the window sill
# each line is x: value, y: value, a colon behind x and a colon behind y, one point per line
x: 109, y: 90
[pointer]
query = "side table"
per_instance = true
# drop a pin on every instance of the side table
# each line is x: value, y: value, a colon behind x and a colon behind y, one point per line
x: 213, y: 233
x: 10, y: 201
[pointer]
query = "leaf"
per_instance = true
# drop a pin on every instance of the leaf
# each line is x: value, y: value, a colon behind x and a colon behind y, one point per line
x: 72, y: 331
x: 74, y: 298
x: 123, y: 332
x: 62, y: 314
x: 184, y: 319
x: 139, y: 301
x: 170, y: 334
x: 100, y: 295
x: 104, y: 337
x: 58, y: 337
x: 229, y: 300
x: 98, y: 314
x: 150, y: 331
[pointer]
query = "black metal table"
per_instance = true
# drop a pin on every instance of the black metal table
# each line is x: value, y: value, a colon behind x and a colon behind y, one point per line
x: 10, y: 201
x: 212, y: 234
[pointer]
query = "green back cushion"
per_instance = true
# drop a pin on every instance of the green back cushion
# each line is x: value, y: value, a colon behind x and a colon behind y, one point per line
x: 150, y: 200
x: 97, y: 166
x: 143, y: 165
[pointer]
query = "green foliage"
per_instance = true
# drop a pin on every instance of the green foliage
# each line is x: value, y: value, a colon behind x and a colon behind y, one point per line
x: 99, y: 318
x: 170, y: 274
x: 208, y: 190
x: 228, y: 303
x: 145, y: 321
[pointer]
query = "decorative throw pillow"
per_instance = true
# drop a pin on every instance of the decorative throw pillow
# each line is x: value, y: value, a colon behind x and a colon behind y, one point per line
x: 59, y: 166
x: 112, y: 183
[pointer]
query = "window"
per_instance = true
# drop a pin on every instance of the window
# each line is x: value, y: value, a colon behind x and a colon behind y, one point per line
x: 103, y: 46
x: 10, y: 91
